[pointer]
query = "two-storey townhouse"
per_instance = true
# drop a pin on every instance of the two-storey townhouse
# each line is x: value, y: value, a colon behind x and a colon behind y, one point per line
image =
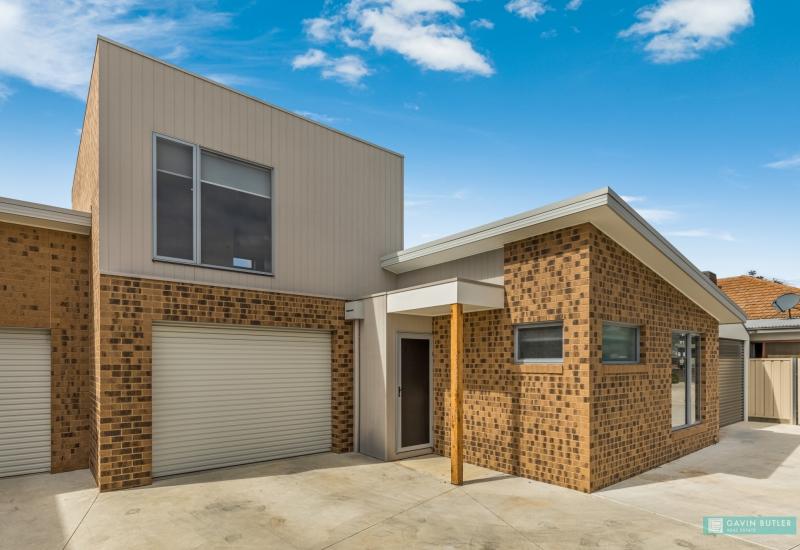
x: 232, y: 287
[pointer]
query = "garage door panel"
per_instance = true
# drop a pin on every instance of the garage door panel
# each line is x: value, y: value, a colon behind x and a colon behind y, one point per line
x: 25, y: 388
x: 233, y: 395
x: 731, y: 381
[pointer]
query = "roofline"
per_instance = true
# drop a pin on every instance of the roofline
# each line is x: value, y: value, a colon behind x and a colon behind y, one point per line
x: 603, y: 197
x: 248, y: 96
x: 630, y: 215
x: 551, y: 211
x: 44, y: 216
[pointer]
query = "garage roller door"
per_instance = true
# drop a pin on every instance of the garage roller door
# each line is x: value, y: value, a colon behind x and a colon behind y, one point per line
x: 227, y: 396
x: 24, y: 401
x: 731, y: 381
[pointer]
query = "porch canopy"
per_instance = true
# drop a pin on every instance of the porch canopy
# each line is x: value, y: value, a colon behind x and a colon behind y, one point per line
x: 435, y: 299
x: 452, y: 297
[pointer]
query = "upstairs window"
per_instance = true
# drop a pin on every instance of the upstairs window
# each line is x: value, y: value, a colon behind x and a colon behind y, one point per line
x: 539, y: 343
x: 211, y: 210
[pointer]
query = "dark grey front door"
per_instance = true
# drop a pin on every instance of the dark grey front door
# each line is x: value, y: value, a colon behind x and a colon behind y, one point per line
x: 415, y: 392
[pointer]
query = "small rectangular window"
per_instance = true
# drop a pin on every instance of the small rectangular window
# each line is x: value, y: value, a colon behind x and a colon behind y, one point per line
x: 620, y: 343
x: 539, y: 343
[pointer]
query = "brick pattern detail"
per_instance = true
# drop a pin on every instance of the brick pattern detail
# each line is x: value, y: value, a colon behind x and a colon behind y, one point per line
x: 533, y: 425
x: 45, y: 284
x: 584, y: 428
x: 631, y: 423
x: 129, y: 306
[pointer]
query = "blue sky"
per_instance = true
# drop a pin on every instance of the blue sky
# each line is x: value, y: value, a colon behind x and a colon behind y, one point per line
x: 687, y: 107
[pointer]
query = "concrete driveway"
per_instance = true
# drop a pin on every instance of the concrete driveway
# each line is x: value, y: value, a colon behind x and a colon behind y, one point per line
x: 351, y: 501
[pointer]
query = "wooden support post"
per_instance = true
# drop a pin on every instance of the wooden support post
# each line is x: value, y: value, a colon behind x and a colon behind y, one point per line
x: 457, y: 394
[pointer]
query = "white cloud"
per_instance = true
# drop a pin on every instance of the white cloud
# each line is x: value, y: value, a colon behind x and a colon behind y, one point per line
x: 702, y: 234
x: 677, y: 30
x: 547, y: 35
x: 411, y: 106
x: 527, y: 9
x: 481, y: 24
x: 5, y: 92
x: 349, y: 69
x: 320, y: 29
x: 50, y: 43
x: 573, y: 5
x: 785, y: 164
x: 630, y: 199
x: 312, y: 58
x: 657, y: 215
x: 231, y: 80
x: 424, y: 32
x: 319, y: 117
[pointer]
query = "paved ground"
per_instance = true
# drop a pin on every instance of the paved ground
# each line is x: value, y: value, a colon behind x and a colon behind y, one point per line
x: 350, y: 501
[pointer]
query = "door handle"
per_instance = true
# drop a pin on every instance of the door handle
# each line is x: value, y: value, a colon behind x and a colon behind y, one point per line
x: 399, y: 391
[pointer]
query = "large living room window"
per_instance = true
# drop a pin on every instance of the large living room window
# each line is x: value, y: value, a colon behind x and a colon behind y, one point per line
x: 211, y: 210
x: 686, y: 376
x: 539, y: 343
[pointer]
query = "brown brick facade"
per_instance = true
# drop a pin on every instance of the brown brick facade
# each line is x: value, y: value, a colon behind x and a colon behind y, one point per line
x: 631, y: 405
x: 45, y: 284
x: 579, y: 424
x: 129, y: 306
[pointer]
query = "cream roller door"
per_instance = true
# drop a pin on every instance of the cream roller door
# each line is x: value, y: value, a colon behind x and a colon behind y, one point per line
x: 224, y: 396
x: 24, y: 401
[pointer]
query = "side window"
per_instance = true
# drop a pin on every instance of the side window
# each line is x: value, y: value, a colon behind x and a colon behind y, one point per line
x: 620, y: 343
x: 539, y: 343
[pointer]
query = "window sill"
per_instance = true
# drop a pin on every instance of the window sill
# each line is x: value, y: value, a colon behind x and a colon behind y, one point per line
x: 687, y: 431
x: 625, y: 368
x: 217, y: 267
x: 538, y: 368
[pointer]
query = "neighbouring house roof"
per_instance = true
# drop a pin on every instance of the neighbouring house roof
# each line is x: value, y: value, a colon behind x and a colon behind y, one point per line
x: 755, y: 296
x: 604, y: 209
x: 45, y: 216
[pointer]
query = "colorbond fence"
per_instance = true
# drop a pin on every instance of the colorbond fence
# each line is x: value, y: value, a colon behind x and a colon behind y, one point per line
x: 773, y: 389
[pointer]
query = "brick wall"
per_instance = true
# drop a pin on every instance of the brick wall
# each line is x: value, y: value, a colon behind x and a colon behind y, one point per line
x: 128, y: 307
x: 579, y: 424
x: 529, y: 420
x: 45, y: 283
x: 631, y: 404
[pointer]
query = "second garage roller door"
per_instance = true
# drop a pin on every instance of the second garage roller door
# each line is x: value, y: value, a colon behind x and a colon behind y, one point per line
x: 227, y: 396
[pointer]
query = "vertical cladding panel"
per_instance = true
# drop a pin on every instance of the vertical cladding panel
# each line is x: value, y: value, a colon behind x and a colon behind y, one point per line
x: 337, y: 200
x: 372, y: 380
x: 631, y: 412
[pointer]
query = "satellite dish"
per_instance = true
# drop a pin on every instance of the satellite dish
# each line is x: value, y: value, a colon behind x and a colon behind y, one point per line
x: 786, y: 302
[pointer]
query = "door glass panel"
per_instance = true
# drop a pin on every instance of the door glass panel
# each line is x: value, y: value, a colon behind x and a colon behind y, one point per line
x: 415, y: 392
x: 680, y: 365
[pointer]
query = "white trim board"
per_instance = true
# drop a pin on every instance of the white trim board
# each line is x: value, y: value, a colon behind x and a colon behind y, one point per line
x: 602, y: 208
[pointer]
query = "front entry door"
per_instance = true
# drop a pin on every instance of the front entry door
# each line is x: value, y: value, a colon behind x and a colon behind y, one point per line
x: 414, y: 393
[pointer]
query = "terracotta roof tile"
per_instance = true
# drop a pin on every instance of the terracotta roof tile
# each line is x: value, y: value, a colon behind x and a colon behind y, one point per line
x: 755, y: 296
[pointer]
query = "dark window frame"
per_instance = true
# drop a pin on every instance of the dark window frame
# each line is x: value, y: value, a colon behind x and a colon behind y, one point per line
x: 197, y: 152
x: 537, y: 360
x: 638, y: 345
